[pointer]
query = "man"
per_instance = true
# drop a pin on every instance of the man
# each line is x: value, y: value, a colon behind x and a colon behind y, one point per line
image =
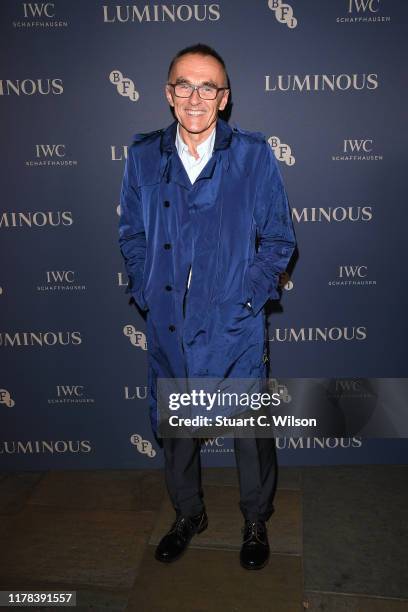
x: 205, y: 231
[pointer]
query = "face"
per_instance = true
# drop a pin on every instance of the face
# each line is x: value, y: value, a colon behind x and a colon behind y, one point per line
x: 197, y: 116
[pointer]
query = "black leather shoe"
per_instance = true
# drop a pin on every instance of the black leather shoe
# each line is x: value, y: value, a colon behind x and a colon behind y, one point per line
x: 175, y: 542
x: 255, y: 547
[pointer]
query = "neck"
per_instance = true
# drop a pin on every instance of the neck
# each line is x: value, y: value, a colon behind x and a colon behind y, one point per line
x: 193, y: 139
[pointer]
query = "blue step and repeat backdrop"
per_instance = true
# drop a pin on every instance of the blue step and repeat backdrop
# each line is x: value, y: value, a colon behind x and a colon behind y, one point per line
x: 322, y: 79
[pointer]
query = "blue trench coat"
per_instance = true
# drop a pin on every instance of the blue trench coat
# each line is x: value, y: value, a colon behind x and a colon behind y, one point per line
x: 233, y: 225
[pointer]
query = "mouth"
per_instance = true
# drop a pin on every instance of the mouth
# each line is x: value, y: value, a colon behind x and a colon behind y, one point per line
x: 194, y: 113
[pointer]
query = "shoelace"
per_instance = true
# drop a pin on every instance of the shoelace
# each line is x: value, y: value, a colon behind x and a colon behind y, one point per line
x: 180, y: 524
x: 252, y: 530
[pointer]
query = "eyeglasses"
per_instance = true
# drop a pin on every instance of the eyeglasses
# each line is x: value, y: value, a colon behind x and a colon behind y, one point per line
x: 206, y: 92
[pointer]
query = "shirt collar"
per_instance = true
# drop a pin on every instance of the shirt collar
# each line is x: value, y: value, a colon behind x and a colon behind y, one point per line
x: 223, y: 136
x: 203, y: 148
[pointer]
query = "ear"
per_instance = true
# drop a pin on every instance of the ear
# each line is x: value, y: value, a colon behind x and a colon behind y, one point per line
x: 224, y: 100
x: 168, y: 95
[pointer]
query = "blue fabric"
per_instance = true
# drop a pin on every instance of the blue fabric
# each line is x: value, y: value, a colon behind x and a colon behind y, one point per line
x: 166, y: 223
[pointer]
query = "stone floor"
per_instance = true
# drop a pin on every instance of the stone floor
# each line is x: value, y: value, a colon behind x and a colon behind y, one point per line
x: 338, y: 541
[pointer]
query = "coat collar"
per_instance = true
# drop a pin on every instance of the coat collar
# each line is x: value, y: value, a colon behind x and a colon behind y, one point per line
x: 171, y: 164
x: 223, y: 136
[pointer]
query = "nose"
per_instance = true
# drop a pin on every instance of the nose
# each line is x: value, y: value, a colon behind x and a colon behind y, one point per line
x: 195, y: 98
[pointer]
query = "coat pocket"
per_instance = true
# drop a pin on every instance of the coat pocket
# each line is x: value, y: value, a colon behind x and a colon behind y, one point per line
x: 247, y: 295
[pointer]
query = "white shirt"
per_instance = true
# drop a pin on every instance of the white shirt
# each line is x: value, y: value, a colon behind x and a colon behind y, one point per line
x: 192, y: 165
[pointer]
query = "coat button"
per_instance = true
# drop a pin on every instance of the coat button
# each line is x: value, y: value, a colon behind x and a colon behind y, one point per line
x: 166, y: 203
x: 172, y: 327
x: 167, y: 245
x: 168, y: 287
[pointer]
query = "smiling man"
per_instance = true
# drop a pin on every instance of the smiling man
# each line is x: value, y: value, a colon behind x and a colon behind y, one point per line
x: 205, y: 231
x: 196, y: 110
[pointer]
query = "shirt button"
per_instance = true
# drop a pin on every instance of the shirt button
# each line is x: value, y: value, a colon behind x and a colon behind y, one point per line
x: 167, y: 245
x: 172, y: 327
x: 166, y: 203
x: 168, y: 287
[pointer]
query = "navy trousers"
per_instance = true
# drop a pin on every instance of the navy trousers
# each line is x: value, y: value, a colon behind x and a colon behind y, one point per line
x: 257, y: 473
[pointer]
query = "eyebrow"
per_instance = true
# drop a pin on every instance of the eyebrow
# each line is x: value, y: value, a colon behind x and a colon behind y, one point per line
x: 209, y: 83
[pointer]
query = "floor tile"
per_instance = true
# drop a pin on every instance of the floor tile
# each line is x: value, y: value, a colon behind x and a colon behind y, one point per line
x: 99, y: 548
x: 101, y: 490
x: 213, y: 581
x: 356, y: 530
x: 323, y: 602
x: 289, y: 478
x: 16, y: 489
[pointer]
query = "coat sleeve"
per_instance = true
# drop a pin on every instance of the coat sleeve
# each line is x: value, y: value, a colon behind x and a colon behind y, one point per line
x: 132, y: 237
x: 275, y: 232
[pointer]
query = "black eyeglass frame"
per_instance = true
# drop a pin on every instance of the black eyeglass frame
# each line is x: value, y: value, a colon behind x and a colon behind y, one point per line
x: 197, y: 87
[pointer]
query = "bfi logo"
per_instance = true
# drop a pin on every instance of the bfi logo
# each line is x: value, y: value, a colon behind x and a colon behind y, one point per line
x: 136, y: 337
x: 143, y: 446
x: 285, y: 282
x: 282, y: 151
x: 275, y: 386
x: 6, y: 399
x: 124, y: 85
x: 283, y: 13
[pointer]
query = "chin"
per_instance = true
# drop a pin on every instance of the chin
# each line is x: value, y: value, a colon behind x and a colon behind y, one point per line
x: 196, y: 129
x: 193, y: 127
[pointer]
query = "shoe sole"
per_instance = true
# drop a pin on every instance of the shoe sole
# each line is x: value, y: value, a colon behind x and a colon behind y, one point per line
x: 158, y: 558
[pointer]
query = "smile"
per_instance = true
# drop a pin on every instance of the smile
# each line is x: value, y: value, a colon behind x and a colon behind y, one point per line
x: 194, y: 113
